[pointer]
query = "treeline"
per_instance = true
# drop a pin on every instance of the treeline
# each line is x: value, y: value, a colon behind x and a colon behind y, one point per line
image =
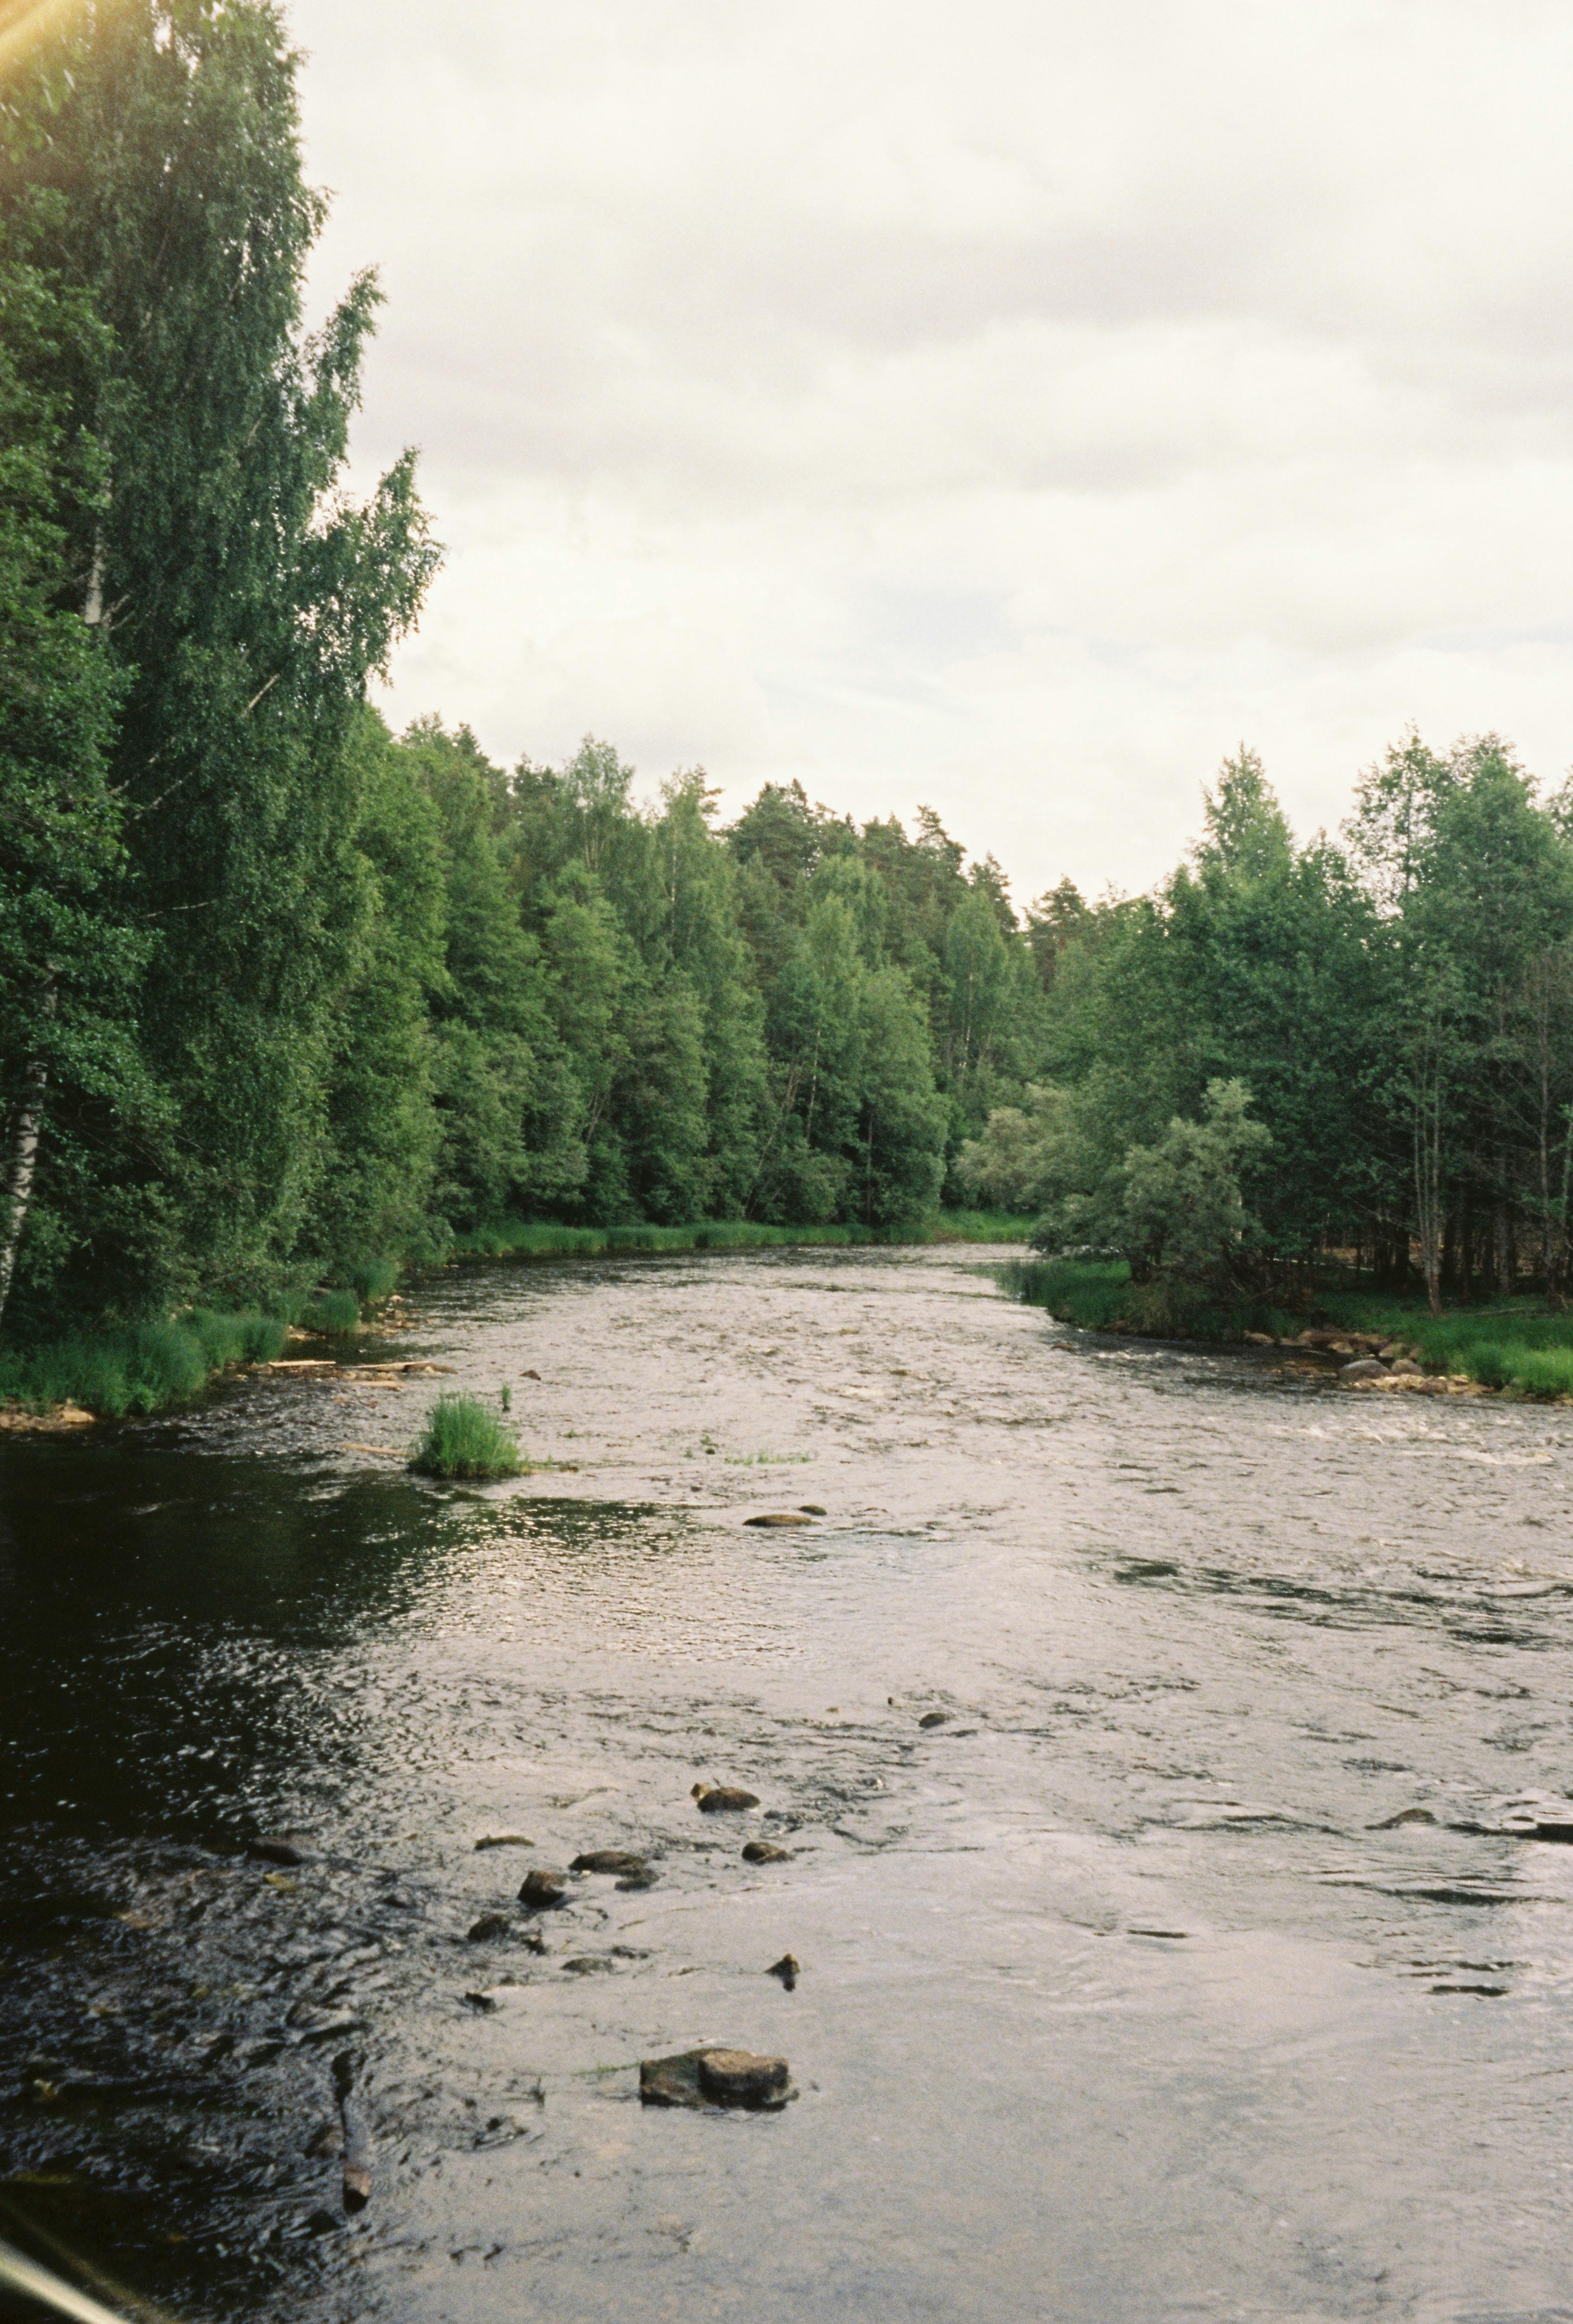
x: 1287, y: 1051
x: 284, y: 998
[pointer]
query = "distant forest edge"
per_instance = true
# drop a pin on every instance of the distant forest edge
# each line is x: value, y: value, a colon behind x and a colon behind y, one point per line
x: 289, y: 999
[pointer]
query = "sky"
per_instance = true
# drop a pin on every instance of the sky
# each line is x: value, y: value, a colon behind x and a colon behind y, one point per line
x: 1010, y: 407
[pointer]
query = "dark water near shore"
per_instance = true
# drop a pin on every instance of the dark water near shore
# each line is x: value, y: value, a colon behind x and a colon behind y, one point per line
x: 1116, y: 2002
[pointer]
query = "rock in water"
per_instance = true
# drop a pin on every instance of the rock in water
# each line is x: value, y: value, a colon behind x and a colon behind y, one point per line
x: 787, y: 1969
x: 811, y: 1509
x: 1404, y: 1815
x: 541, y: 1890
x: 355, y: 2180
x: 738, y: 2078
x: 613, y: 1860
x: 764, y: 1851
x: 779, y: 1518
x: 935, y: 1719
x: 504, y: 1839
x: 1405, y: 1367
x: 490, y: 1924
x: 278, y: 1851
x: 716, y: 2077
x: 1363, y: 1367
x: 717, y: 1799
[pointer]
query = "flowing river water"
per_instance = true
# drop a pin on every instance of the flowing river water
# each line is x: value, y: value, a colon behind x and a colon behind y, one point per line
x: 1123, y: 1996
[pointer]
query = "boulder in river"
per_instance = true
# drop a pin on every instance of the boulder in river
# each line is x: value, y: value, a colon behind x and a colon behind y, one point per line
x: 504, y: 1839
x: 617, y: 1861
x: 489, y: 1926
x: 787, y: 1969
x: 935, y: 1719
x: 1364, y: 1367
x: 781, y: 1517
x: 764, y: 1851
x: 541, y: 1890
x: 716, y: 2077
x: 720, y: 1799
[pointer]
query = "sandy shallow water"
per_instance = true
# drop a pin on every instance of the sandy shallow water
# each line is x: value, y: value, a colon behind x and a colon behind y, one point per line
x: 1117, y: 2002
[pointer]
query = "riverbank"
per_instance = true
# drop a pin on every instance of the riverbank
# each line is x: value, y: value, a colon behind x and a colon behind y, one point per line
x: 145, y: 1367
x: 545, y: 1239
x: 1514, y: 1347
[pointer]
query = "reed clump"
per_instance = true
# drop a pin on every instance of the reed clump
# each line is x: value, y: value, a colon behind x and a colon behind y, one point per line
x: 140, y: 1367
x: 463, y: 1437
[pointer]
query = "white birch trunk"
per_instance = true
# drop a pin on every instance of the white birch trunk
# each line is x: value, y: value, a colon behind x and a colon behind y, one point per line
x: 22, y: 1160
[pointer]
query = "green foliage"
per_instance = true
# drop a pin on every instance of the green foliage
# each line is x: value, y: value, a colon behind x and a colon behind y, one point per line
x: 139, y: 1367
x: 1181, y: 1201
x: 293, y: 1000
x: 1101, y: 1296
x: 464, y: 1438
x: 153, y: 169
x: 333, y: 1314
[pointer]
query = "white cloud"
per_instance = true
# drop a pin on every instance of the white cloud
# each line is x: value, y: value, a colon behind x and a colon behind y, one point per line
x: 1009, y: 406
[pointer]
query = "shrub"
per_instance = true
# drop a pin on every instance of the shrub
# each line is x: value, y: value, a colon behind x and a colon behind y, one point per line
x: 1541, y: 1371
x: 463, y: 1438
x: 139, y: 1367
x: 332, y: 1313
x: 375, y: 1280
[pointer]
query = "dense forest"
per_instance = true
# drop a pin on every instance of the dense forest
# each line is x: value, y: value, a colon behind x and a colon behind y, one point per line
x: 288, y: 998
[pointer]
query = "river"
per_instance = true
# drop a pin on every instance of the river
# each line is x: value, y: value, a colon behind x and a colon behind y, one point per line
x: 1123, y: 1998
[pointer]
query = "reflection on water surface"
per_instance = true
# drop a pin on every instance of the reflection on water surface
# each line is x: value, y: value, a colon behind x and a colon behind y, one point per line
x: 1124, y: 1995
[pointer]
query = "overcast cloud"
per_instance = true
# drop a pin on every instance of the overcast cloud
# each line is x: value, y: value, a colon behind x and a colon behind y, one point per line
x: 1008, y: 407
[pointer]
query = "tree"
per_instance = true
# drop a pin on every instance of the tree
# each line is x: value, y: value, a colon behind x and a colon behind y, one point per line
x: 1183, y: 1211
x: 152, y: 165
x: 69, y: 1076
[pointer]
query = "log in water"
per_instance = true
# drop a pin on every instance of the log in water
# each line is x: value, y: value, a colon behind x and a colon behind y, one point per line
x: 1212, y: 1955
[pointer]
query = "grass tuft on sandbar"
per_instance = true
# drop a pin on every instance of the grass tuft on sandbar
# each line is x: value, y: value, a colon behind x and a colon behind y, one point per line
x: 464, y: 1438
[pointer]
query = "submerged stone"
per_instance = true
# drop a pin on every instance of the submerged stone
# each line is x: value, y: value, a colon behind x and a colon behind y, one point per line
x: 490, y: 1924
x: 781, y: 1517
x: 935, y: 1719
x: 612, y: 1860
x: 716, y: 2077
x: 504, y: 1839
x: 719, y: 1799
x: 764, y: 1851
x: 543, y: 1890
x: 277, y: 1849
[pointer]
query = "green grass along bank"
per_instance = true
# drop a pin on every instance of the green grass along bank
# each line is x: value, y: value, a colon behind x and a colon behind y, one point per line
x: 145, y: 1367
x: 1514, y: 1347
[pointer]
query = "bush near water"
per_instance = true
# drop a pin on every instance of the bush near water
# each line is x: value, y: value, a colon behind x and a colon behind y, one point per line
x: 290, y: 1001
x: 464, y: 1438
x: 1519, y: 1348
